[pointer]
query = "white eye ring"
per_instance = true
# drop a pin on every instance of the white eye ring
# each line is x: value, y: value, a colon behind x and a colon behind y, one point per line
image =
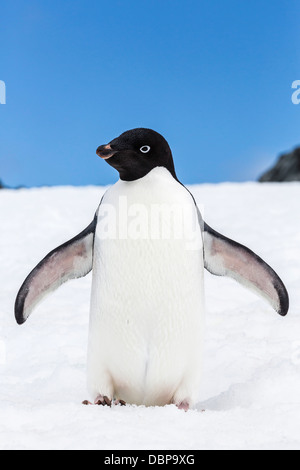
x: 145, y: 149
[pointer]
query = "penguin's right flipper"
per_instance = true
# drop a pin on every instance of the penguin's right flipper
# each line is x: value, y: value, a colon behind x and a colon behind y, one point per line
x: 225, y: 257
x: 71, y: 260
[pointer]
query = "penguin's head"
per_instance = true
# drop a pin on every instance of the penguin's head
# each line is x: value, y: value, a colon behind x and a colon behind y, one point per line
x: 136, y: 152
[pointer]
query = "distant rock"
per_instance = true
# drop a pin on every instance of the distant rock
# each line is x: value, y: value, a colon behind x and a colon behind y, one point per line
x: 286, y: 169
x: 1, y: 185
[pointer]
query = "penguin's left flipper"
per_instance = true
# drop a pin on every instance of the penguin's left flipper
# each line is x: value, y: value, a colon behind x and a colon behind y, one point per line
x: 225, y: 257
x: 71, y: 260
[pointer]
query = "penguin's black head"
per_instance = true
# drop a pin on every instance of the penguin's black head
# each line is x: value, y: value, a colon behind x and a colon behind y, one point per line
x: 136, y: 152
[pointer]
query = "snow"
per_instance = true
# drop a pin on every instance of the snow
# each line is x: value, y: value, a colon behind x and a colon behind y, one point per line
x: 251, y: 380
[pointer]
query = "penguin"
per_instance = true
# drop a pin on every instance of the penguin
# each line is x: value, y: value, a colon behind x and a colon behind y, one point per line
x: 148, y: 247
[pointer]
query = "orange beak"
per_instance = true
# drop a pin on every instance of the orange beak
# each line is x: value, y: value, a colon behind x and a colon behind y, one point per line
x: 105, y: 151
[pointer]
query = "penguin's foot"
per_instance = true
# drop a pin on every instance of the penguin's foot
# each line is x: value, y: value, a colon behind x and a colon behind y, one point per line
x: 183, y: 405
x: 120, y: 402
x: 102, y: 400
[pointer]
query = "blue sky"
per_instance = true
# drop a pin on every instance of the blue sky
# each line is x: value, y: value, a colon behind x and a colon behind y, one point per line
x: 213, y: 76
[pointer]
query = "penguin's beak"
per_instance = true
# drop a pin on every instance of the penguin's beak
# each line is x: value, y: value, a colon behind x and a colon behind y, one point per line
x: 105, y: 151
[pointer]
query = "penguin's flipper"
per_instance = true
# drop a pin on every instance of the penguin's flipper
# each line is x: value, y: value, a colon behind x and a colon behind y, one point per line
x: 71, y: 260
x: 225, y: 257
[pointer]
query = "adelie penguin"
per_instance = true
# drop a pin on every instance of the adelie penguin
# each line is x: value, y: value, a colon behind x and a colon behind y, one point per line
x: 147, y: 302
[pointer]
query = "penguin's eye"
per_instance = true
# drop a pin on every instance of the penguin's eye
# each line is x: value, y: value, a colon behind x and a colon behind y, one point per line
x: 145, y: 149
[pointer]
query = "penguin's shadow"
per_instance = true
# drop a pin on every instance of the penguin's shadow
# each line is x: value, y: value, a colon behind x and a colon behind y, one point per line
x: 239, y: 395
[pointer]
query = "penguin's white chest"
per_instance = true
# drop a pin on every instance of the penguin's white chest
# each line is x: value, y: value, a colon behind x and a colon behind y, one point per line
x: 146, y: 320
